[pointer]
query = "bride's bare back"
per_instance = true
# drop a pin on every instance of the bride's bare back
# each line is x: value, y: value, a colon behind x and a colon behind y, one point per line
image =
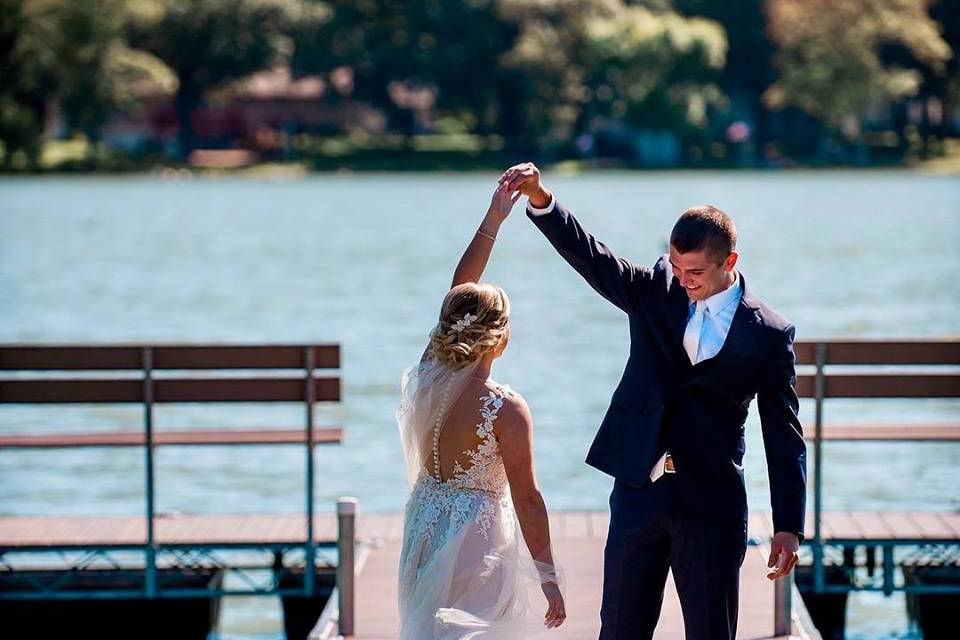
x: 465, y: 430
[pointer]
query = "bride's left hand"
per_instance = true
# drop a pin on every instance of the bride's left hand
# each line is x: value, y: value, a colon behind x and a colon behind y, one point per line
x: 556, y: 609
x: 502, y: 202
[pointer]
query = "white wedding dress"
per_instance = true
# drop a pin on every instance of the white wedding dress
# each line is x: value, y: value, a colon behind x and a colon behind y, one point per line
x: 464, y: 569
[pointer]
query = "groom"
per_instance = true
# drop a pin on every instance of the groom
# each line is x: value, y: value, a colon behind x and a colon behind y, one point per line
x: 702, y: 346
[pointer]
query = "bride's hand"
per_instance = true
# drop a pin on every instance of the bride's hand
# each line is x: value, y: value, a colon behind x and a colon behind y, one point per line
x: 556, y: 611
x: 502, y: 202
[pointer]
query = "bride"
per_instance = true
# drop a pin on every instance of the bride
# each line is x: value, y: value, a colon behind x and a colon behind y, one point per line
x: 476, y: 535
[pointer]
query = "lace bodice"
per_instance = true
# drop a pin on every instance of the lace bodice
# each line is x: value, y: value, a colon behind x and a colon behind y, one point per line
x: 485, y: 471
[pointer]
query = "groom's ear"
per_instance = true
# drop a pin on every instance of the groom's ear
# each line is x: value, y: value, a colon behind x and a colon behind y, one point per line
x: 731, y: 261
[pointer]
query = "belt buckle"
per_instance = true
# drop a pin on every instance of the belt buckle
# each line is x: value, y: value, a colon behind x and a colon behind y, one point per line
x: 668, y: 465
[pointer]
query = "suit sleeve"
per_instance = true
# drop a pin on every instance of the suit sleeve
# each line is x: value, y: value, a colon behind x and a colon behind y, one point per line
x: 620, y: 281
x: 783, y: 437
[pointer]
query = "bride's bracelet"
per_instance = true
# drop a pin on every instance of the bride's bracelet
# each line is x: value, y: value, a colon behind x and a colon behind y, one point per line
x: 487, y: 235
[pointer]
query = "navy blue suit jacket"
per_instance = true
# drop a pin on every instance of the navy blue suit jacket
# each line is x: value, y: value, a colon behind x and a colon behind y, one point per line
x: 696, y: 411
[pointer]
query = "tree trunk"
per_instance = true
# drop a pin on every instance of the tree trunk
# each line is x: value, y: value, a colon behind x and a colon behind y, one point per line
x: 185, y: 104
x: 862, y: 153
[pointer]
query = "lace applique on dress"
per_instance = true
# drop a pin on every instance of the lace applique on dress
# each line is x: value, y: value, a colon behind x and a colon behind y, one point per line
x: 486, y: 470
x: 485, y: 473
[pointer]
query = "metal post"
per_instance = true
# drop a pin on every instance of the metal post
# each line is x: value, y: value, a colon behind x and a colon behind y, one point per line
x: 151, y: 551
x: 310, y: 394
x: 346, y: 571
x: 888, y: 569
x: 782, y: 612
x: 820, y: 392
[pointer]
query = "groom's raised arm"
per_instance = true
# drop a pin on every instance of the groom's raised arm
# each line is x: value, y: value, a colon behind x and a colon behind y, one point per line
x: 622, y: 282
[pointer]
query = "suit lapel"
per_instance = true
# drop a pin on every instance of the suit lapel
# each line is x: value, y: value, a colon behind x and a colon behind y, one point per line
x: 745, y: 318
x: 678, y: 312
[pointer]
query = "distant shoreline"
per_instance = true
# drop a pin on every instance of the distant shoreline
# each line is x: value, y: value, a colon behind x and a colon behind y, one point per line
x: 294, y: 169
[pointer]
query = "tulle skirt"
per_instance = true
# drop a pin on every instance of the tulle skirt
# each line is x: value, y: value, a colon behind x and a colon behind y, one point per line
x: 465, y: 572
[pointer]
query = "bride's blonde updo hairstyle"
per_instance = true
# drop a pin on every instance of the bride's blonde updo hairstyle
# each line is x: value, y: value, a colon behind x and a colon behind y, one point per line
x: 474, y: 320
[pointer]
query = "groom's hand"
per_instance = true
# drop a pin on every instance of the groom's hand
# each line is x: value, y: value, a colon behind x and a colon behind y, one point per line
x: 783, y: 554
x: 525, y: 178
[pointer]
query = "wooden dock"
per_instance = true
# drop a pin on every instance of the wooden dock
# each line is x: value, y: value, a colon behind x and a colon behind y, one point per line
x: 578, y: 540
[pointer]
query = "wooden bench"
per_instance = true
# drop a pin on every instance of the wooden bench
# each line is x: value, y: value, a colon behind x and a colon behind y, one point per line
x: 148, y: 389
x: 149, y: 375
x: 874, y: 369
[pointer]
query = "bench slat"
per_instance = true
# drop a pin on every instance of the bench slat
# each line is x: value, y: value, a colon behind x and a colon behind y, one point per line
x: 60, y: 390
x: 920, y: 351
x: 327, y: 435
x: 172, y: 356
x: 887, y: 432
x: 883, y: 385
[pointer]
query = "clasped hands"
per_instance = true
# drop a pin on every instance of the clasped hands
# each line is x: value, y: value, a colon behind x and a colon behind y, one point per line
x: 519, y: 180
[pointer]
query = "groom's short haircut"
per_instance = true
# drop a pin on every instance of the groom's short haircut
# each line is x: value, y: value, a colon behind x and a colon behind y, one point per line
x: 705, y: 228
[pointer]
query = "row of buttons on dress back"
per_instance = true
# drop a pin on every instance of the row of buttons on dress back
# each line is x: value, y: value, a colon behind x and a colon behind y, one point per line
x: 436, y: 432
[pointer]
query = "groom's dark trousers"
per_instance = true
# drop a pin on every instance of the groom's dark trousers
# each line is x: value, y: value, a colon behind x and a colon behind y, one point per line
x: 695, y: 520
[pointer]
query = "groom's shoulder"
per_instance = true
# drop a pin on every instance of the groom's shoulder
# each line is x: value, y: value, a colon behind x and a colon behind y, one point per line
x: 770, y: 317
x: 662, y: 270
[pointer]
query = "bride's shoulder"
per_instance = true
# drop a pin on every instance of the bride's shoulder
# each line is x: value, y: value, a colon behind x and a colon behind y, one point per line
x: 514, y: 412
x: 511, y: 397
x: 507, y: 391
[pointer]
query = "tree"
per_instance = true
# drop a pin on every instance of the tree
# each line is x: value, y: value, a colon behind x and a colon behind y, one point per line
x: 96, y: 71
x: 26, y: 78
x: 748, y: 71
x: 209, y: 42
x: 445, y: 52
x: 944, y: 82
x: 829, y: 56
x: 654, y: 70
x: 602, y: 59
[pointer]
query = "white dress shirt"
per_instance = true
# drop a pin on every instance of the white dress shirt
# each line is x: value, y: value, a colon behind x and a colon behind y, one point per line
x: 717, y: 318
x: 541, y: 212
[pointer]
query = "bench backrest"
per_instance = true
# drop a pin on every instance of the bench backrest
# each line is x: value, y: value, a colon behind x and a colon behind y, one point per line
x: 152, y: 359
x: 880, y: 353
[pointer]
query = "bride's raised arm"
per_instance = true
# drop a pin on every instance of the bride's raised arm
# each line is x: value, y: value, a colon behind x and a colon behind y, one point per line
x: 474, y: 259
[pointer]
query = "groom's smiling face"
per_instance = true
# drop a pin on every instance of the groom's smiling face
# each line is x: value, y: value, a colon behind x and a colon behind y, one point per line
x: 702, y: 274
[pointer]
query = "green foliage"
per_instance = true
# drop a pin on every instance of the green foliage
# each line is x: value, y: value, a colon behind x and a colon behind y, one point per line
x: 604, y: 59
x: 530, y: 74
x: 407, y: 55
x: 654, y: 70
x: 27, y: 77
x: 97, y: 72
x: 830, y: 59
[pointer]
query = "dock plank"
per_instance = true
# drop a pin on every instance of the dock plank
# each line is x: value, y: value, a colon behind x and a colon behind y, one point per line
x: 842, y: 525
x: 953, y: 521
x: 872, y: 526
x: 898, y: 522
x: 932, y: 526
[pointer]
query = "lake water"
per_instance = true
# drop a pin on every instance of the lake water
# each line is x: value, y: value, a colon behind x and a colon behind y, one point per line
x: 364, y: 261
